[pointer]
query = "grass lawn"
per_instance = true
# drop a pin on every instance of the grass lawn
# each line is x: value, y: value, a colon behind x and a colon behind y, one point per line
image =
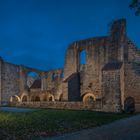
x: 48, y: 122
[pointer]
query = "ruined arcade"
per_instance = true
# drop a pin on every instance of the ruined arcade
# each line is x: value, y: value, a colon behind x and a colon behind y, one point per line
x: 108, y: 80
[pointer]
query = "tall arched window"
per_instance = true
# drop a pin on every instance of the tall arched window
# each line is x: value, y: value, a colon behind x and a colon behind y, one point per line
x: 32, y: 77
x: 83, y: 57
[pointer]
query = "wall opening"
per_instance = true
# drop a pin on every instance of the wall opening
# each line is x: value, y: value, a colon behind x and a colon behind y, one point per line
x: 14, y: 99
x: 45, y: 98
x: 83, y: 57
x: 32, y: 77
x: 24, y: 98
x: 55, y: 76
x: 129, y: 105
x: 89, y: 99
x: 50, y: 99
x: 37, y: 98
x: 62, y: 74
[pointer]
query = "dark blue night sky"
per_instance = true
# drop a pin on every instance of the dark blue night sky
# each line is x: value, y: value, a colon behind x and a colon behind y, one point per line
x: 36, y: 33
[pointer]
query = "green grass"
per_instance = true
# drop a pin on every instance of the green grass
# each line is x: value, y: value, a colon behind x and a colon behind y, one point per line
x: 49, y: 122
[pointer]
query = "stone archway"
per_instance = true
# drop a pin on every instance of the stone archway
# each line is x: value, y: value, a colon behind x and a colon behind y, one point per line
x: 15, y: 99
x: 33, y: 79
x: 50, y: 97
x: 37, y: 99
x: 24, y: 98
x: 89, y: 99
x: 129, y: 105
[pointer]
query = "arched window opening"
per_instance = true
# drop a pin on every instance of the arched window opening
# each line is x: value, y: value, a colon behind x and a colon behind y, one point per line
x: 14, y: 99
x: 62, y: 75
x: 33, y: 80
x: 51, y: 97
x: 55, y: 76
x: 83, y: 57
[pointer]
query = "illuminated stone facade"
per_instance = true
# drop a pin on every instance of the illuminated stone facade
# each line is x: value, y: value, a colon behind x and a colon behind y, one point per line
x: 109, y: 77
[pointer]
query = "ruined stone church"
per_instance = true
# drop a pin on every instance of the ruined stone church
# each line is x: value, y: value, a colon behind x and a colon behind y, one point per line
x: 108, y: 80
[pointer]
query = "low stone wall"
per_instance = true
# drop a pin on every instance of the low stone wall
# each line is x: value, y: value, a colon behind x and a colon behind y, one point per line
x: 58, y: 105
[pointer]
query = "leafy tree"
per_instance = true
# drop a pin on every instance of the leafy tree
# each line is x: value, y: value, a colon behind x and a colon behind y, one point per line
x: 135, y: 4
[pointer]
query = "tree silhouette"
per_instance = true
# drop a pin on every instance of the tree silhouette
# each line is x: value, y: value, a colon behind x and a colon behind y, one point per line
x: 135, y: 4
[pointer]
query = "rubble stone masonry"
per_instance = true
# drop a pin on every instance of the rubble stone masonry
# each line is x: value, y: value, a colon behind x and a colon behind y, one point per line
x: 110, y: 75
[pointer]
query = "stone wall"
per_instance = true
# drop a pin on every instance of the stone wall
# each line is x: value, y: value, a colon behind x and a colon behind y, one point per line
x: 111, y: 90
x: 133, y: 52
x: 54, y: 80
x: 9, y: 81
x: 132, y: 83
x: 51, y: 81
x: 99, y: 52
x: 110, y: 74
x: 13, y: 81
x: 57, y: 105
x: 132, y: 74
x: 1, y: 61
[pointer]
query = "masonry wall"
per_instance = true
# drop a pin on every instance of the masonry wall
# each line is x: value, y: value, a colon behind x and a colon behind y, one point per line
x: 9, y: 81
x: 132, y: 83
x: 54, y: 80
x: 1, y: 61
x: 13, y: 81
x: 132, y: 75
x: 110, y: 86
x: 51, y: 82
x: 111, y: 91
x: 90, y: 74
x: 57, y: 105
x: 99, y: 51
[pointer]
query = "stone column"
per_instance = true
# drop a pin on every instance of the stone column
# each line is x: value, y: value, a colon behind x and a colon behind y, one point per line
x: 1, y: 80
x: 43, y: 81
x: 117, y: 92
x: 23, y: 80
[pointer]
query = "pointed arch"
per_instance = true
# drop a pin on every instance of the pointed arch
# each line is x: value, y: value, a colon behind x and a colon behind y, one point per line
x: 88, y: 96
x: 15, y: 99
x: 35, y: 98
x: 129, y: 105
x: 50, y: 97
x: 24, y: 97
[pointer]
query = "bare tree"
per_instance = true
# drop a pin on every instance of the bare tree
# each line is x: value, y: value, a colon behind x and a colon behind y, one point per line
x: 135, y: 4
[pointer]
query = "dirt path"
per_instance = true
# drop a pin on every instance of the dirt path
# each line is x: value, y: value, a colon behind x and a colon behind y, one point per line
x: 126, y: 129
